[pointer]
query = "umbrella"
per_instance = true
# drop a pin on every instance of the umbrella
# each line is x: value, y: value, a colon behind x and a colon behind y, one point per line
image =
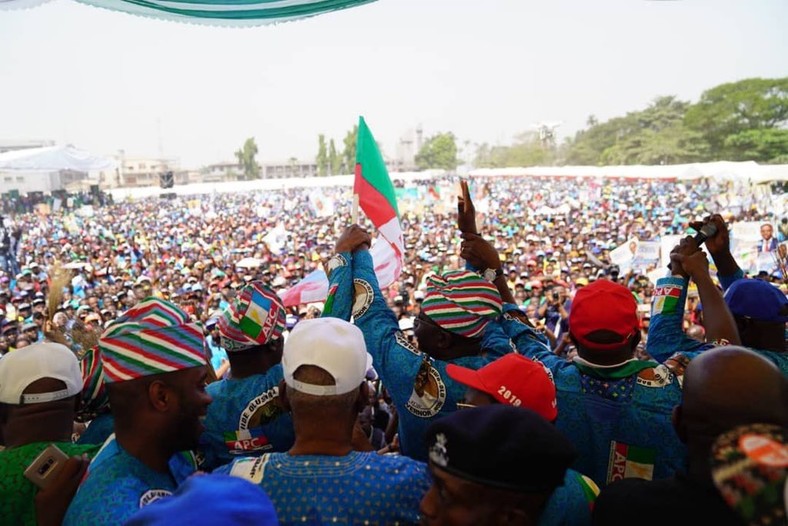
x: 249, y: 263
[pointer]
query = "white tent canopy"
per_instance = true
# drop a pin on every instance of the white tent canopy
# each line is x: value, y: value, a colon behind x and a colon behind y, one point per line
x: 52, y: 159
x: 722, y: 170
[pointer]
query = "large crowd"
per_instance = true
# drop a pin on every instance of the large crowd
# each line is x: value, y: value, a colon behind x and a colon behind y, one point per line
x: 515, y: 373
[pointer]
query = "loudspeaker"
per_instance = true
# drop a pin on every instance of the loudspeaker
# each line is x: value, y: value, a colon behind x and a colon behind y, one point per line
x: 166, y: 180
x: 94, y: 190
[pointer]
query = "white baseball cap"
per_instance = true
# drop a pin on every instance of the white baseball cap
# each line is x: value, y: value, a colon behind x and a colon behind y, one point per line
x: 20, y: 368
x: 335, y: 346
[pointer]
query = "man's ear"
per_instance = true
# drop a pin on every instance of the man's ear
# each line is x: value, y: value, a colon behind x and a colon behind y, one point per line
x: 363, y: 396
x: 283, y: 401
x: 444, y: 339
x: 160, y: 396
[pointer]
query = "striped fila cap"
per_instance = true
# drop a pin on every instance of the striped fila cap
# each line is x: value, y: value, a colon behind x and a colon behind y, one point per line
x: 254, y: 318
x: 153, y: 337
x: 94, y: 394
x: 462, y: 302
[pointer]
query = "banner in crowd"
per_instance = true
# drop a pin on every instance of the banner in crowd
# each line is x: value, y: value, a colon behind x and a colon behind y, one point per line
x: 647, y: 255
x: 624, y: 255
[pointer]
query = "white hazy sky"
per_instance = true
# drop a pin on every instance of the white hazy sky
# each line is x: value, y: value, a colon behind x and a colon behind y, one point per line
x: 484, y: 69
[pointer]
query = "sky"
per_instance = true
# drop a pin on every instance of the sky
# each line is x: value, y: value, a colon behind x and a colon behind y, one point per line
x: 485, y: 70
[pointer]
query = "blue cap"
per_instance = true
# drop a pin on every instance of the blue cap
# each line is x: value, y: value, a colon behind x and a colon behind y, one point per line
x: 209, y: 500
x: 757, y: 299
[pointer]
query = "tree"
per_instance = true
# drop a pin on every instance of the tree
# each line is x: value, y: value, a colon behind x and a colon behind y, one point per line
x: 322, y: 156
x: 334, y: 160
x: 438, y: 151
x: 731, y: 109
x: 246, y: 158
x: 656, y: 135
x: 349, y: 153
x: 767, y: 145
x: 527, y: 150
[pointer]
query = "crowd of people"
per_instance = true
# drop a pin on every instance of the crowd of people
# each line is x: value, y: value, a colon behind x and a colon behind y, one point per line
x: 514, y: 374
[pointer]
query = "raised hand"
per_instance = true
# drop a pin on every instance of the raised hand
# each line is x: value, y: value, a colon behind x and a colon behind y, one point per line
x: 686, y: 247
x: 353, y: 238
x: 720, y: 242
x: 466, y: 212
x: 479, y: 252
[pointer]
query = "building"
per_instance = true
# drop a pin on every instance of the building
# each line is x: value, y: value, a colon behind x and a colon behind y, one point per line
x: 288, y: 169
x: 222, y: 172
x: 146, y: 171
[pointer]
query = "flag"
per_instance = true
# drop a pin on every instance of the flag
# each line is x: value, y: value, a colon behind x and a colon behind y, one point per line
x: 375, y: 192
x: 314, y: 287
x: 630, y: 462
x: 311, y: 289
x: 666, y: 300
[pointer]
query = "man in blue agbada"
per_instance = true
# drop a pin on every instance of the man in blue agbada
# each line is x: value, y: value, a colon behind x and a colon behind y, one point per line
x: 246, y: 417
x: 756, y: 311
x: 155, y: 373
x: 323, y: 479
x: 614, y: 408
x: 457, y: 324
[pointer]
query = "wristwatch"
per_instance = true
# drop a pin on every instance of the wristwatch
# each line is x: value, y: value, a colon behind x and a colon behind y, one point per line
x: 492, y: 274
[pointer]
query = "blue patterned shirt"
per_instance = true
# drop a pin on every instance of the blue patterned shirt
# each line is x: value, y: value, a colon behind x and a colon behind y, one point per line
x: 245, y: 419
x: 358, y: 488
x: 418, y: 384
x: 118, y: 484
x: 572, y: 503
x: 667, y: 341
x: 619, y: 420
x: 99, y: 430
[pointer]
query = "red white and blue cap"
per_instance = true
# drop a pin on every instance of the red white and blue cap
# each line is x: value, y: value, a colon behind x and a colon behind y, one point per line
x: 256, y: 317
x: 153, y: 337
x: 462, y: 302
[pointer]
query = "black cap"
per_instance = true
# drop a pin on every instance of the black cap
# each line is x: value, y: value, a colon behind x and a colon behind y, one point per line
x: 502, y: 447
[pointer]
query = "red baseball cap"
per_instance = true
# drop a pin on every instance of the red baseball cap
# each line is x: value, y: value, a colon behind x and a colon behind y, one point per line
x: 603, y: 306
x: 513, y: 380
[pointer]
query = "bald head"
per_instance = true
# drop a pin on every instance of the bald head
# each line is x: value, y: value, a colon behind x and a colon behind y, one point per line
x: 732, y: 386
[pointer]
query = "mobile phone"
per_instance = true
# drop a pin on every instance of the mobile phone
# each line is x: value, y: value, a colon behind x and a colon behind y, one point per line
x: 44, y: 469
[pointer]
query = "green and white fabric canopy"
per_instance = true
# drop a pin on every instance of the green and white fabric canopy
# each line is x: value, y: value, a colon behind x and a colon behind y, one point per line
x: 213, y: 12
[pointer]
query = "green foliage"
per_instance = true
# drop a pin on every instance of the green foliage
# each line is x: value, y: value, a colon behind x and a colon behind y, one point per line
x: 349, y: 153
x: 246, y: 158
x: 334, y: 160
x: 768, y: 145
x: 738, y: 121
x: 727, y: 111
x: 322, y: 156
x: 527, y: 150
x: 439, y: 151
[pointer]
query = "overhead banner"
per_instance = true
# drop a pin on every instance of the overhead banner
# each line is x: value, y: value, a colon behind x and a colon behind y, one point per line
x: 214, y: 12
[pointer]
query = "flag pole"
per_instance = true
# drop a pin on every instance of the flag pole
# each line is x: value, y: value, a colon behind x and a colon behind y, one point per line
x: 354, y: 210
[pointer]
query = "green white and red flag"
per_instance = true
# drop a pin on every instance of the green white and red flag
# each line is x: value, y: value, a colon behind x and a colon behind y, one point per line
x: 376, y: 198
